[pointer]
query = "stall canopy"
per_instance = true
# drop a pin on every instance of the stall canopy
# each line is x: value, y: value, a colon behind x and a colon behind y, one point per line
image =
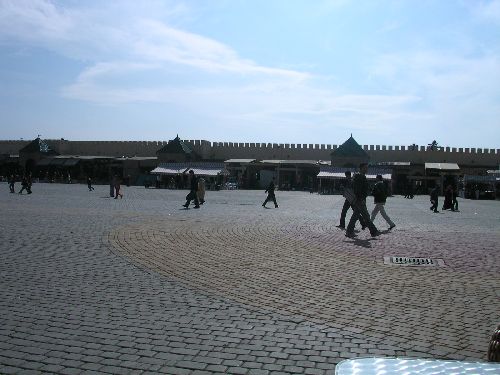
x: 337, y: 173
x: 208, y: 169
x: 240, y: 161
x: 443, y: 166
x: 170, y: 168
x: 200, y: 169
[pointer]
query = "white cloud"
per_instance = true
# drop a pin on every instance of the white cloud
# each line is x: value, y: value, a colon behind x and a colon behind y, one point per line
x: 136, y: 54
x: 33, y: 20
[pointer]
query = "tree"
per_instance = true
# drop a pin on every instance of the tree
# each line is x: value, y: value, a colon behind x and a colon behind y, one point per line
x: 433, y: 146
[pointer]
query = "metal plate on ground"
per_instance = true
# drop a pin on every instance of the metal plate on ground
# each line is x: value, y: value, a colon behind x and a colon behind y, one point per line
x: 413, y: 366
x: 413, y: 261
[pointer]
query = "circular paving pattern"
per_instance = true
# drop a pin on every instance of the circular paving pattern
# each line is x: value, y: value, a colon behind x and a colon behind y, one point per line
x: 310, y: 269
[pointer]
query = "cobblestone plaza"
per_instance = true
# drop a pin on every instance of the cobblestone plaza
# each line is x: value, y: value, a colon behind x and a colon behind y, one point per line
x: 140, y: 285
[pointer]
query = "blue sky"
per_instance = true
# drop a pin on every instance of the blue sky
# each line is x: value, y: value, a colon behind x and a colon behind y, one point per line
x: 284, y: 71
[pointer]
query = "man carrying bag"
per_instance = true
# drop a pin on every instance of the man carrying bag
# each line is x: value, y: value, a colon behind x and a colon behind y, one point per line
x: 358, y: 202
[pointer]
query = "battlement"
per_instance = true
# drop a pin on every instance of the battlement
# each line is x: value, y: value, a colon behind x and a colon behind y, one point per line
x: 227, y: 150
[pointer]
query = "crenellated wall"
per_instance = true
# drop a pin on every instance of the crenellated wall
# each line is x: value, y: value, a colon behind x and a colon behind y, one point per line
x: 228, y: 150
x: 12, y: 147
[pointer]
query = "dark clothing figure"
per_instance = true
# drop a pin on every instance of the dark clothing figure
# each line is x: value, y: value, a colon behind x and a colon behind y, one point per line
x: 270, y: 195
x: 409, y: 191
x: 343, y: 213
x: 454, y: 201
x: 12, y: 182
x: 25, y: 185
x: 360, y: 187
x: 89, y: 184
x: 201, y: 190
x: 193, y: 193
x: 118, y: 188
x: 347, y: 205
x: 112, y: 187
x: 448, y: 199
x: 379, y: 198
x: 434, y: 199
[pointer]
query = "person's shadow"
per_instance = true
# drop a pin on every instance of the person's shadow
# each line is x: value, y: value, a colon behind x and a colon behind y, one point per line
x: 360, y: 242
x: 366, y: 243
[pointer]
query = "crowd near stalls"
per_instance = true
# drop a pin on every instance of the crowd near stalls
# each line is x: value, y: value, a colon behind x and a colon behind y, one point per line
x: 176, y: 175
x: 331, y: 179
x: 406, y: 170
x: 482, y: 187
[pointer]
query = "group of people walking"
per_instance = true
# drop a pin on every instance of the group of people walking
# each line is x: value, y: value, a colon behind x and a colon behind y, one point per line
x: 26, y: 184
x: 450, y: 199
x: 196, y: 191
x: 356, y: 191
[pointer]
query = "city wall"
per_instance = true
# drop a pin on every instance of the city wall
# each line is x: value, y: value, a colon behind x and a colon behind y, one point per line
x: 262, y: 151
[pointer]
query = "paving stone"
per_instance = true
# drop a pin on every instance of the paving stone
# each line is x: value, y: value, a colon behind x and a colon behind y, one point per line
x: 70, y: 371
x: 138, y: 284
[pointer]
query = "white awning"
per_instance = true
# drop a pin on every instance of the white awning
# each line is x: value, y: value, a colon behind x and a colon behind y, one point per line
x: 338, y: 173
x: 200, y: 171
x: 341, y: 176
x: 168, y: 171
x: 272, y: 161
x: 199, y: 168
x: 241, y: 161
x: 331, y: 175
x: 443, y: 166
x: 386, y: 176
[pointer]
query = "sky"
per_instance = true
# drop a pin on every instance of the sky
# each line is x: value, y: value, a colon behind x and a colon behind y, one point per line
x: 273, y: 71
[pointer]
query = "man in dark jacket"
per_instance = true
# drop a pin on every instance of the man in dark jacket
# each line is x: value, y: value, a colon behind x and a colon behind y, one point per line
x: 347, y: 204
x: 193, y: 194
x: 360, y: 187
x: 12, y: 182
x: 270, y: 194
x: 435, y: 199
x: 379, y: 198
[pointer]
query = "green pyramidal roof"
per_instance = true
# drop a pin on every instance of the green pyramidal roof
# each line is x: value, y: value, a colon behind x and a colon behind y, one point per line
x: 350, y: 148
x: 38, y: 145
x: 175, y: 146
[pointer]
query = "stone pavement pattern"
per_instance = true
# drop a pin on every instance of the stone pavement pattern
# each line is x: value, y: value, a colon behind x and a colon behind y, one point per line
x: 138, y: 285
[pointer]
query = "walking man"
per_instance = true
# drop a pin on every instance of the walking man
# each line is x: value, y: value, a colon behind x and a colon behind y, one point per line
x: 112, y: 183
x: 118, y: 187
x: 25, y: 185
x: 454, y: 200
x: 435, y: 199
x: 270, y: 194
x: 89, y: 184
x: 193, y: 194
x: 12, y: 182
x: 347, y: 204
x: 379, y: 198
x: 360, y: 187
x: 201, y: 190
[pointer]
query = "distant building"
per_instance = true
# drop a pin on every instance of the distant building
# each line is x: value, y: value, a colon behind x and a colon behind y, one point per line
x: 249, y: 165
x: 176, y: 151
x: 349, y: 154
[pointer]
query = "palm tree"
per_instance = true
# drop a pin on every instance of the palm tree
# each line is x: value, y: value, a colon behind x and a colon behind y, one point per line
x: 433, y: 146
